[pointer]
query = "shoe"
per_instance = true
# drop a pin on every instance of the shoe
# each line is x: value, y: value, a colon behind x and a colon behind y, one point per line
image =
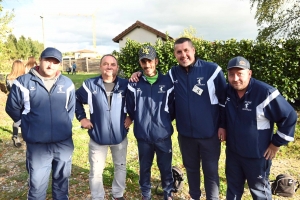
x: 145, y: 198
x: 119, y: 198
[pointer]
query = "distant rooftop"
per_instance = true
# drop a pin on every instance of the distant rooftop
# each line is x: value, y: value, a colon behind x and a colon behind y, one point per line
x: 139, y: 24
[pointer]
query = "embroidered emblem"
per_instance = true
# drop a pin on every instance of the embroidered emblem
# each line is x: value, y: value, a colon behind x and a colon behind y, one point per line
x: 161, y: 89
x: 246, y: 105
x: 60, y: 87
x: 199, y: 79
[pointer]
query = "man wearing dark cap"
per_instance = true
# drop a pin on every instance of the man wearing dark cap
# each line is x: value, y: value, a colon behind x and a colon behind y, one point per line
x: 44, y: 101
x: 252, y: 108
x: 149, y: 103
x: 199, y: 90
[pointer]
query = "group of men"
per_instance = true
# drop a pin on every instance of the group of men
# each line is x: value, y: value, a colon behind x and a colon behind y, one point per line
x: 207, y: 111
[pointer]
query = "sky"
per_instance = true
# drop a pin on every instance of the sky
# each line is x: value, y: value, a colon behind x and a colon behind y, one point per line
x: 68, y: 24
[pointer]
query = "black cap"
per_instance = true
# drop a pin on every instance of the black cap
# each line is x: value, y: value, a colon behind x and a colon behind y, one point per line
x: 51, y: 52
x: 147, y: 52
x: 239, y: 62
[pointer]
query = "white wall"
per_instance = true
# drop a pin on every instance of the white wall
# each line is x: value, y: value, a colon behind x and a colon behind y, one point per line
x: 140, y: 35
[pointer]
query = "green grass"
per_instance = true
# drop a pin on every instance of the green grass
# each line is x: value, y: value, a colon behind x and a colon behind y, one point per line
x: 79, y: 185
x: 78, y: 78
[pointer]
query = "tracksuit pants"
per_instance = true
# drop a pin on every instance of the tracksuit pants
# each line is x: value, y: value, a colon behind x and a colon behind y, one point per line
x: 194, y: 152
x: 255, y: 170
x: 163, y: 150
x: 97, y: 158
x: 41, y: 159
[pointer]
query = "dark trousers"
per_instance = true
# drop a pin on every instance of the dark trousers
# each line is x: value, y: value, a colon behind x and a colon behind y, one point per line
x: 255, y: 170
x: 194, y: 152
x: 163, y: 150
x: 41, y: 159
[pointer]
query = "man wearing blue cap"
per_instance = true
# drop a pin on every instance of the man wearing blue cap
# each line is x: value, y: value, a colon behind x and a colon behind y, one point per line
x: 150, y: 103
x: 252, y: 108
x: 44, y: 102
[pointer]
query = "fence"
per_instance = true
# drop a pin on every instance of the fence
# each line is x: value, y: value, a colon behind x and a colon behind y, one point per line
x: 82, y: 64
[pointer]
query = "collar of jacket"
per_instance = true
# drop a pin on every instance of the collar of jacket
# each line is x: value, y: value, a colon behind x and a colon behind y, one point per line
x: 158, y: 75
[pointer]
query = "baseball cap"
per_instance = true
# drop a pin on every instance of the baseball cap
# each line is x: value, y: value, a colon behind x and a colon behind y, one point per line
x: 51, y: 52
x: 147, y: 52
x: 239, y: 62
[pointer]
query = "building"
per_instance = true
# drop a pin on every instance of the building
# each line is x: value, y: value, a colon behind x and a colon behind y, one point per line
x: 141, y: 33
x: 85, y: 54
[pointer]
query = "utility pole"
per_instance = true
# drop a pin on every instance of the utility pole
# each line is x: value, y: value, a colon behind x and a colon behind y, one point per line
x: 42, y: 17
x: 94, y: 31
x: 93, y: 26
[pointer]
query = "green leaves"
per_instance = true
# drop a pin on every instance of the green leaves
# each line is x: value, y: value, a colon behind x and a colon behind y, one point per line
x: 276, y: 63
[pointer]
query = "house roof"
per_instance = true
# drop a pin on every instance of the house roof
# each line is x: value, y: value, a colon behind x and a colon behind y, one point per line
x: 139, y: 24
x: 85, y: 51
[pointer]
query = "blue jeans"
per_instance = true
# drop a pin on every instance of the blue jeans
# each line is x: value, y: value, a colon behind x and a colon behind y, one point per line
x: 206, y: 151
x: 255, y: 170
x: 163, y: 150
x: 40, y: 160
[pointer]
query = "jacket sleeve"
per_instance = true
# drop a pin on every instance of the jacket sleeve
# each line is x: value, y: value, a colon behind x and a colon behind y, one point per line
x: 71, y: 103
x: 285, y: 117
x: 130, y: 100
x: 81, y: 98
x: 221, y: 86
x: 15, y: 101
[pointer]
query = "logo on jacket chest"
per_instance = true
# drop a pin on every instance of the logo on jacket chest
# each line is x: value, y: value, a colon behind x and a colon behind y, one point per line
x: 247, y: 105
x: 60, y: 89
x: 161, y: 89
x: 199, y: 79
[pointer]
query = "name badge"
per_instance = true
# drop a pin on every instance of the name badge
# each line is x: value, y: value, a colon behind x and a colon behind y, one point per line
x: 197, y: 90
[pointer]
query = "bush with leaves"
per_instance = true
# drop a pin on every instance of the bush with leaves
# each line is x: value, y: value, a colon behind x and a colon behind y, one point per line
x: 276, y: 63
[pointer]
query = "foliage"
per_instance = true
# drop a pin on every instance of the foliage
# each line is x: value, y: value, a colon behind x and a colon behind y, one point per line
x: 276, y: 63
x: 5, y: 19
x: 19, y: 49
x: 277, y: 18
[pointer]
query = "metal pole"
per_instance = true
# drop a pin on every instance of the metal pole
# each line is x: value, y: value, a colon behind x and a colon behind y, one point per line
x: 42, y: 17
x: 94, y: 32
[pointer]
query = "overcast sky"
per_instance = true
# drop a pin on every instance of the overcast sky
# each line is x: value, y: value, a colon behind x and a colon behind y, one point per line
x: 68, y: 24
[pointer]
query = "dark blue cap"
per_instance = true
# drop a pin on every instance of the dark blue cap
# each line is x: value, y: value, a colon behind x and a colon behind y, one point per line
x: 239, y: 62
x: 147, y: 52
x: 51, y: 52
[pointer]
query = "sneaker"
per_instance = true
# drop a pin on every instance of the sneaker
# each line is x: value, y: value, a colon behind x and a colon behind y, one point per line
x: 145, y: 198
x: 119, y: 198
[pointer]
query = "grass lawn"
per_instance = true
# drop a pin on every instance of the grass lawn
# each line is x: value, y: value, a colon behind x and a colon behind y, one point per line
x: 13, y: 175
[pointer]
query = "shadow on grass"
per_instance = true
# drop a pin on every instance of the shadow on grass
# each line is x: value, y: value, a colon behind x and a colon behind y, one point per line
x: 5, y: 129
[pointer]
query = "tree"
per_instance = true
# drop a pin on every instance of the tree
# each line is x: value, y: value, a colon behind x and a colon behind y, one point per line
x: 23, y: 48
x: 277, y: 18
x: 5, y: 30
x: 11, y: 47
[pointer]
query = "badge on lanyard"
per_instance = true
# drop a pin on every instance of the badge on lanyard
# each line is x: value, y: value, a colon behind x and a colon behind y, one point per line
x: 197, y: 90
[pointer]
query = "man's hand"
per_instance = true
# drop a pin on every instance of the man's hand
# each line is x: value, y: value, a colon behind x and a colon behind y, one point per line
x: 271, y: 151
x: 222, y: 134
x: 127, y: 122
x: 135, y: 77
x: 86, y: 123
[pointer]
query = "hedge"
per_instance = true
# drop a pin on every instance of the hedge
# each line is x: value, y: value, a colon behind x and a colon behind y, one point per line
x: 276, y: 63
